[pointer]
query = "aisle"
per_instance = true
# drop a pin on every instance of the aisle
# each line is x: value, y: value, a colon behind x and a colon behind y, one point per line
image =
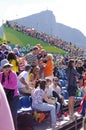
x: 62, y: 125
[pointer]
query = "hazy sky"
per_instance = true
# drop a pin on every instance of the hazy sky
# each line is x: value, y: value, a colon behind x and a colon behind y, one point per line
x: 68, y: 12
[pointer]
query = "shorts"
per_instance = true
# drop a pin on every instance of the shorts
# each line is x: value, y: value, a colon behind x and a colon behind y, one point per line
x: 72, y: 92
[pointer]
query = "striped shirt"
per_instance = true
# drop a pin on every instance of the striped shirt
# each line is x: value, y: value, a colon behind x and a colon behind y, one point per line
x: 31, y: 58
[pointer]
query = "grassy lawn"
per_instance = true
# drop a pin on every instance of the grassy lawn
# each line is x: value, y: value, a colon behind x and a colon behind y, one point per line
x: 22, y: 39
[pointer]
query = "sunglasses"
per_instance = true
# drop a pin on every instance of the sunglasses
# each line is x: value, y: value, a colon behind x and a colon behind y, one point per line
x: 7, y: 66
x: 56, y: 80
x: 37, y: 70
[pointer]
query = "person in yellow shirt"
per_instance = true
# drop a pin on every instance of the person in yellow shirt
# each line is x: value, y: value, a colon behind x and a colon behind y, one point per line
x: 13, y: 59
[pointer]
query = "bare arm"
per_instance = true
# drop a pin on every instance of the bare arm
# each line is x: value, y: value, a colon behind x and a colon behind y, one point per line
x: 22, y: 80
x: 50, y: 101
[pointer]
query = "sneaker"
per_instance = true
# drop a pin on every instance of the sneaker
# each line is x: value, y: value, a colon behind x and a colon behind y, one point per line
x: 65, y: 103
x: 41, y: 118
x: 77, y: 114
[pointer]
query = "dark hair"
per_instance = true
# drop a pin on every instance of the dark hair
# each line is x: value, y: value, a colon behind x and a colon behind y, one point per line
x: 12, y: 56
x: 48, y: 80
x: 3, y: 78
x: 27, y: 67
x: 70, y: 63
x: 37, y: 83
x: 41, y: 83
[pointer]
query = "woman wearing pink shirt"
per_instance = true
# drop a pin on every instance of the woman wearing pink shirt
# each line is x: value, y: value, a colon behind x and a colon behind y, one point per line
x: 8, y: 79
x: 6, y: 121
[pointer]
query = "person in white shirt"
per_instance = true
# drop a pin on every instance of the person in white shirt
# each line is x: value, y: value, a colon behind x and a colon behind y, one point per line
x: 49, y: 93
x: 53, y: 86
x: 55, y: 91
x: 41, y: 102
x: 23, y: 80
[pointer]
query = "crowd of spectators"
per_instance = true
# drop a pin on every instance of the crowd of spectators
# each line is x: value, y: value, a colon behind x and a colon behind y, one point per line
x: 35, y: 65
x: 38, y: 71
x: 58, y: 42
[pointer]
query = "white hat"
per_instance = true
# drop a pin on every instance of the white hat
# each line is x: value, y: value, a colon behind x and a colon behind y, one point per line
x: 4, y: 63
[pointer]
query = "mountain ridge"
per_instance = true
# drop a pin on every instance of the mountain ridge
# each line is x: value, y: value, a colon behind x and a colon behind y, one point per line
x: 45, y: 21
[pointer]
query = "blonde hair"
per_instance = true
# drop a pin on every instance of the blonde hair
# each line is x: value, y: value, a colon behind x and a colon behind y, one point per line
x: 50, y: 56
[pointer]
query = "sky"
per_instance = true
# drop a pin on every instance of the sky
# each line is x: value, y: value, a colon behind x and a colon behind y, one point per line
x: 68, y: 12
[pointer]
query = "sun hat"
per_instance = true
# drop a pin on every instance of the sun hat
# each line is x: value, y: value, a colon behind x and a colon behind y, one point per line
x: 4, y: 63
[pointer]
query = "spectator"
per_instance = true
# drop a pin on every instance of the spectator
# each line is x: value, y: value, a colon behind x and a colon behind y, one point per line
x: 12, y: 58
x: 16, y: 51
x: 55, y: 91
x: 5, y: 114
x: 84, y: 65
x: 34, y: 74
x: 42, y: 54
x: 8, y: 79
x: 37, y: 101
x: 49, y: 66
x: 32, y: 57
x: 22, y: 63
x: 41, y: 66
x: 72, y: 76
x: 3, y: 52
x: 80, y: 70
x: 49, y: 93
x: 23, y: 82
x: 39, y: 46
x: 8, y: 46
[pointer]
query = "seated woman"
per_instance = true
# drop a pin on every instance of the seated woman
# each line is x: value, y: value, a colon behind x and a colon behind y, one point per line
x: 53, y: 90
x: 49, y: 93
x: 38, y: 98
x: 34, y: 74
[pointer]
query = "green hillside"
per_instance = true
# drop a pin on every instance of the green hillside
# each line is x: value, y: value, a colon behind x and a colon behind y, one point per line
x: 22, y: 39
